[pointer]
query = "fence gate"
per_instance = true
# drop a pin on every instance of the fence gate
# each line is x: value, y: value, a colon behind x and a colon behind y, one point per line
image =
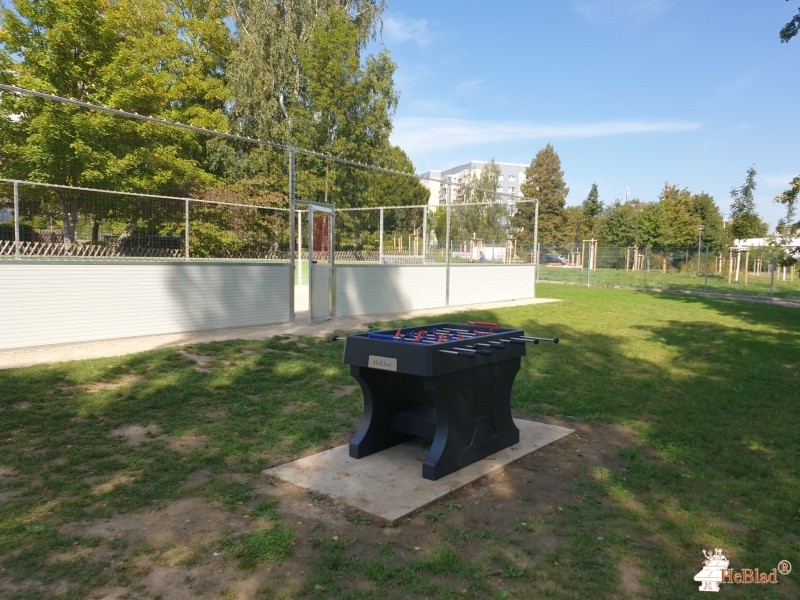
x: 321, y: 284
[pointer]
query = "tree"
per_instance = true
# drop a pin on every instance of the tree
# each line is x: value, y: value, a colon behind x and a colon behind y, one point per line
x: 621, y: 224
x: 388, y: 189
x: 348, y: 102
x: 544, y: 181
x: 789, y: 197
x: 745, y: 222
x: 575, y: 224
x: 791, y: 28
x: 482, y: 214
x: 708, y: 215
x: 156, y: 57
x: 673, y: 221
x: 299, y: 76
x: 591, y: 208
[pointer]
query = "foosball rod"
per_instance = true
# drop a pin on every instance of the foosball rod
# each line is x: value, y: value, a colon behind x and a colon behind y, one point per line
x: 463, y: 332
x: 460, y: 351
x: 428, y: 338
x: 467, y: 351
x: 498, y: 345
x: 526, y: 339
x: 400, y: 338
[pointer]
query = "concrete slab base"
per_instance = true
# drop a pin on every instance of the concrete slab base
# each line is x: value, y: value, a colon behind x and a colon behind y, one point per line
x: 389, y: 484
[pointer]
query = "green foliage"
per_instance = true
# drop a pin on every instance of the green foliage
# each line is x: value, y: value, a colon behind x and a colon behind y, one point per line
x: 789, y: 226
x: 299, y: 75
x: 592, y: 207
x: 672, y: 222
x: 575, y: 224
x: 386, y: 189
x: 485, y: 220
x: 745, y: 222
x: 157, y: 57
x: 239, y: 223
x: 544, y: 181
x: 7, y: 232
x: 791, y: 28
x: 621, y: 224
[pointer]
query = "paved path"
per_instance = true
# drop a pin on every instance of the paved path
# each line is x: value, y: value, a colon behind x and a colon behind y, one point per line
x: 26, y: 357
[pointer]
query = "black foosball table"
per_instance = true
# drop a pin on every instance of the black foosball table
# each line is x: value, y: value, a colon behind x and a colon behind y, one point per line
x: 447, y: 383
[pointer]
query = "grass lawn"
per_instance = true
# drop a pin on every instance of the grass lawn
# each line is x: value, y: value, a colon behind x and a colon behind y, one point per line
x: 140, y: 476
x: 654, y: 279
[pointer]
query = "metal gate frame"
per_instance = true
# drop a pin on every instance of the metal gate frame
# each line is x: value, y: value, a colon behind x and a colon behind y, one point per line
x: 321, y: 290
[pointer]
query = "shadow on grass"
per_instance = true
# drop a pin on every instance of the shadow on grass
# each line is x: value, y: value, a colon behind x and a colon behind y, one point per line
x: 711, y: 394
x: 685, y: 411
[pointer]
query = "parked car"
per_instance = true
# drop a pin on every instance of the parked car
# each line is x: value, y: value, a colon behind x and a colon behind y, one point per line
x: 552, y: 260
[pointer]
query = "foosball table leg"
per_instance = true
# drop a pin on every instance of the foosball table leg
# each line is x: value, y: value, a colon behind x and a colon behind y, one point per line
x: 375, y: 432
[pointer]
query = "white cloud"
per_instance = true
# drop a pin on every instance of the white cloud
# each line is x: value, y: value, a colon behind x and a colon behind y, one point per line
x: 398, y: 29
x: 418, y: 134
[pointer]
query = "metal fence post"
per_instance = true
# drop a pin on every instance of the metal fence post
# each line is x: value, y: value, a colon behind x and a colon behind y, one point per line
x: 535, y: 245
x: 186, y: 226
x: 447, y: 255
x: 17, y: 254
x: 380, y: 235
x: 299, y: 279
x: 424, y: 234
x: 292, y: 235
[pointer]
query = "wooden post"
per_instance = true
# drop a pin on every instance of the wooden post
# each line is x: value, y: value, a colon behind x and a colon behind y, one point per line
x: 746, y: 264
x: 730, y: 264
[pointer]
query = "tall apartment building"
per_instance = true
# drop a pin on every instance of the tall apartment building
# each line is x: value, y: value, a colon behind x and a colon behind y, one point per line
x: 448, y: 186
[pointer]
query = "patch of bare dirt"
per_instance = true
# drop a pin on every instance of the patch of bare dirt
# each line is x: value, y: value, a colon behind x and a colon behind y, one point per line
x: 186, y: 442
x: 123, y: 382
x: 202, y: 363
x: 345, y: 390
x: 108, y: 484
x: 183, y: 548
x: 136, y: 435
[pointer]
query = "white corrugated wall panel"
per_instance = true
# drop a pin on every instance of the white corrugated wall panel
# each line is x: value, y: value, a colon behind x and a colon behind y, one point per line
x: 55, y: 303
x: 373, y: 289
x: 471, y: 284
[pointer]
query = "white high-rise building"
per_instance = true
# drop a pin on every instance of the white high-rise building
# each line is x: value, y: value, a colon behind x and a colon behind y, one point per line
x: 447, y: 186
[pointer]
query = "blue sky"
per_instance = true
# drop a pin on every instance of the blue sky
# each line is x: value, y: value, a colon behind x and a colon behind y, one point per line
x: 632, y: 94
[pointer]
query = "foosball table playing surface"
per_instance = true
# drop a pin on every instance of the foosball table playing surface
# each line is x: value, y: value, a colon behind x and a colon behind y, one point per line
x: 447, y: 383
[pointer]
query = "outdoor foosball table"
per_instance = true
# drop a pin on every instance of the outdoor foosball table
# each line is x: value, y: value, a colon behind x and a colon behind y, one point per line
x: 447, y: 383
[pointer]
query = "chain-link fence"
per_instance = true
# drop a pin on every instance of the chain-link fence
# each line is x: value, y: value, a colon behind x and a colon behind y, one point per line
x: 48, y: 221
x: 459, y: 234
x: 751, y: 272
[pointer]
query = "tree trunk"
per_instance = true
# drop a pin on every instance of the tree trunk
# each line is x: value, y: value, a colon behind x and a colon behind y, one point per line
x: 70, y: 207
x: 95, y: 231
